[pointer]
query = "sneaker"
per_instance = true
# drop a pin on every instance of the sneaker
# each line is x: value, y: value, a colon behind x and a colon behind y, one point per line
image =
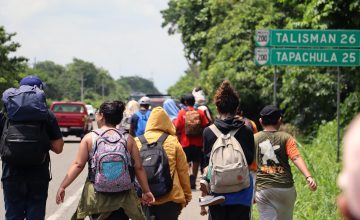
x: 193, y: 182
x: 211, y: 200
x: 204, y: 186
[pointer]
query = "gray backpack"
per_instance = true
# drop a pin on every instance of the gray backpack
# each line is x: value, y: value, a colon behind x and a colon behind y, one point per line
x: 228, y: 169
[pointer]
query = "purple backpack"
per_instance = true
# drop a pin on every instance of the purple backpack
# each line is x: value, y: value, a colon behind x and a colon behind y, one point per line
x: 111, y: 167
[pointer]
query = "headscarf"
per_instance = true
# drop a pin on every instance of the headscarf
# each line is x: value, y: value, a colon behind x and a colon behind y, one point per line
x: 171, y: 109
x: 199, y: 97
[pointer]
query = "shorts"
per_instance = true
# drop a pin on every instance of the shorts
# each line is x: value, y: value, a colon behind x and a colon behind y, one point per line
x: 193, y: 153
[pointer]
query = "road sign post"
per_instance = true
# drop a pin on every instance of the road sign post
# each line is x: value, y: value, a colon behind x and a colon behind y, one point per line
x: 309, y: 48
x: 307, y: 38
x: 307, y: 57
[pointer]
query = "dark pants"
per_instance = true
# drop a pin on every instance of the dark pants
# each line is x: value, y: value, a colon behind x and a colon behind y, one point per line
x: 25, y: 199
x: 229, y: 212
x: 115, y: 215
x: 166, y: 211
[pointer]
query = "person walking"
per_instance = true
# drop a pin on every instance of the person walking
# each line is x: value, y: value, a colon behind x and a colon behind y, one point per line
x: 139, y: 119
x: 189, y: 125
x: 171, y: 109
x: 131, y: 107
x: 275, y: 192
x: 237, y: 202
x: 168, y: 206
x: 25, y: 177
x: 200, y: 103
x: 101, y: 198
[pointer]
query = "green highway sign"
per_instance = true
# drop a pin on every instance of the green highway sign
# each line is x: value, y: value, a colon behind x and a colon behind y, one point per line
x: 307, y: 57
x: 307, y: 38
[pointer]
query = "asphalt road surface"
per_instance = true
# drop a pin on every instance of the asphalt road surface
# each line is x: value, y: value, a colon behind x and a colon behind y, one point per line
x: 59, y: 166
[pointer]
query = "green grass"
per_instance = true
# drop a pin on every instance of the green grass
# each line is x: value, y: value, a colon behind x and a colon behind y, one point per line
x: 320, y: 157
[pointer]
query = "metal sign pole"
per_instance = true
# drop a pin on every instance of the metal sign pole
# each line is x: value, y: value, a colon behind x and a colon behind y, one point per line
x: 275, y: 80
x: 338, y: 115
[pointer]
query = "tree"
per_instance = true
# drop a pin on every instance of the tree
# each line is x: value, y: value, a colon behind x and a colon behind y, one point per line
x: 138, y: 84
x: 11, y: 67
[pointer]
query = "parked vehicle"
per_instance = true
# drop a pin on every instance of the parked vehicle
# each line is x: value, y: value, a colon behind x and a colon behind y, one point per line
x: 91, y: 112
x: 72, y: 117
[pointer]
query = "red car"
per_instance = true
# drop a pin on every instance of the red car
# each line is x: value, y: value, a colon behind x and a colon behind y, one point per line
x: 72, y: 118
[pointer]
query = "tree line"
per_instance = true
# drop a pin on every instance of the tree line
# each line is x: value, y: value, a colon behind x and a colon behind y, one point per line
x: 218, y: 38
x: 70, y: 82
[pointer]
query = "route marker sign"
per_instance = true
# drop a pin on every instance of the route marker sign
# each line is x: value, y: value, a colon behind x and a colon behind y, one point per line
x: 307, y: 38
x: 307, y: 57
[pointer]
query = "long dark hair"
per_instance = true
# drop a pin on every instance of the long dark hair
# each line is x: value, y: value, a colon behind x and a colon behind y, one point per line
x: 112, y: 112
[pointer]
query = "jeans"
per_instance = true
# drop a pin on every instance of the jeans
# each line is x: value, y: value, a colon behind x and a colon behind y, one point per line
x: 25, y: 199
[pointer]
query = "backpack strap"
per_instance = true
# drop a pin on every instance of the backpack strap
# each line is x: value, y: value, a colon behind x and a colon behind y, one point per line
x: 218, y: 133
x: 162, y: 138
x: 143, y: 140
x: 215, y: 130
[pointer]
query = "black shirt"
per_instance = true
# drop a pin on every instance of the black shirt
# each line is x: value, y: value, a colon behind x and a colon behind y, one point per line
x: 244, y: 136
x: 40, y: 172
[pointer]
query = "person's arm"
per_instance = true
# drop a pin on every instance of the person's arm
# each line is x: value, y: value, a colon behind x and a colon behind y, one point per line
x: 55, y: 135
x: 300, y: 164
x: 294, y: 154
x: 147, y: 196
x: 133, y: 124
x: 182, y: 169
x: 204, y: 120
x: 57, y: 145
x: 76, y: 167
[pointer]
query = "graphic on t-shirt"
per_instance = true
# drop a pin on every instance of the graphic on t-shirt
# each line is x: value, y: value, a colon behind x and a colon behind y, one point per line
x: 268, y: 151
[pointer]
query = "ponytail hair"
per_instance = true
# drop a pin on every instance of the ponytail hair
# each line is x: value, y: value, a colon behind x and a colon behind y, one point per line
x: 112, y: 112
x: 226, y: 98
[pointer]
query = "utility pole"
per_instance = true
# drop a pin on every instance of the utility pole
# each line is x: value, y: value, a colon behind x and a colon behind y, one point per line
x: 82, y: 86
x: 102, y: 88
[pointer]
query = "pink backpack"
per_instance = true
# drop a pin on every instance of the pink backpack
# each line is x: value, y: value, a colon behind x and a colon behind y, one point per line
x: 111, y: 167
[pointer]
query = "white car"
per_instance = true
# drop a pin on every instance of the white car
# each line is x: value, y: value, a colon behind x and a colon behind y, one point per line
x: 91, y: 112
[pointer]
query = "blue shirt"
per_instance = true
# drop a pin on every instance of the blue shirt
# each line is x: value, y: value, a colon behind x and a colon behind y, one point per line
x: 244, y: 197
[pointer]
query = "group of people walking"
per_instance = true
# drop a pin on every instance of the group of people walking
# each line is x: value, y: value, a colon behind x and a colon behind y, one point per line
x: 139, y: 157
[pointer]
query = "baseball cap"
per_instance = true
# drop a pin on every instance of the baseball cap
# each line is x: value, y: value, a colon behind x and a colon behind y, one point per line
x: 31, y: 81
x: 271, y: 111
x: 144, y: 100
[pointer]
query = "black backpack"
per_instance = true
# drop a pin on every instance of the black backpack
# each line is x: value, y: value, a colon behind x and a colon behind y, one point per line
x: 156, y: 165
x: 24, y: 143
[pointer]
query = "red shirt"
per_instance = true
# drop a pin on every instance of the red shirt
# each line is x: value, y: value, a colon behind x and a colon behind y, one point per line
x: 186, y: 141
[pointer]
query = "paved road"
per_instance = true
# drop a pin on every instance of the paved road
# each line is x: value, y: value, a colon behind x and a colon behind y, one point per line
x: 60, y: 164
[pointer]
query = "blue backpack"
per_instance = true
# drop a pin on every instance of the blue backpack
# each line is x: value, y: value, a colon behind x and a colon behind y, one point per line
x: 141, y: 124
x: 27, y: 103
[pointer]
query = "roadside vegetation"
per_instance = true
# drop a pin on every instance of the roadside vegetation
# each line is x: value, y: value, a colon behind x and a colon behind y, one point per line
x: 218, y: 39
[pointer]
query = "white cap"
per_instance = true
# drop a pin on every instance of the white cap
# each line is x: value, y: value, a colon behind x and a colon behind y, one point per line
x: 144, y: 100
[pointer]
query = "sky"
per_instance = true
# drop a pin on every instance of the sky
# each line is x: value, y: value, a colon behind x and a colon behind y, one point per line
x: 124, y: 37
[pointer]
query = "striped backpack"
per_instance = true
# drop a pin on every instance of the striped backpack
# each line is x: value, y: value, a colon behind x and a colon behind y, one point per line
x: 111, y: 167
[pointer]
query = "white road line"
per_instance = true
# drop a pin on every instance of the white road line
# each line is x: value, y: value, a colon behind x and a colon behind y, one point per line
x: 64, y: 207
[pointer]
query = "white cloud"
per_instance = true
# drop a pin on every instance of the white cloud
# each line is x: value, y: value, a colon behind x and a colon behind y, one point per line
x: 19, y: 10
x: 122, y: 36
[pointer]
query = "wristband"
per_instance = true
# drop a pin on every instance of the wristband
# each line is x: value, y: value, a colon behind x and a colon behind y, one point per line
x: 308, y: 177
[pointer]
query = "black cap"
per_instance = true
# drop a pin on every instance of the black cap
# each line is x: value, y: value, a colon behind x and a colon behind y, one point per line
x: 270, y: 111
